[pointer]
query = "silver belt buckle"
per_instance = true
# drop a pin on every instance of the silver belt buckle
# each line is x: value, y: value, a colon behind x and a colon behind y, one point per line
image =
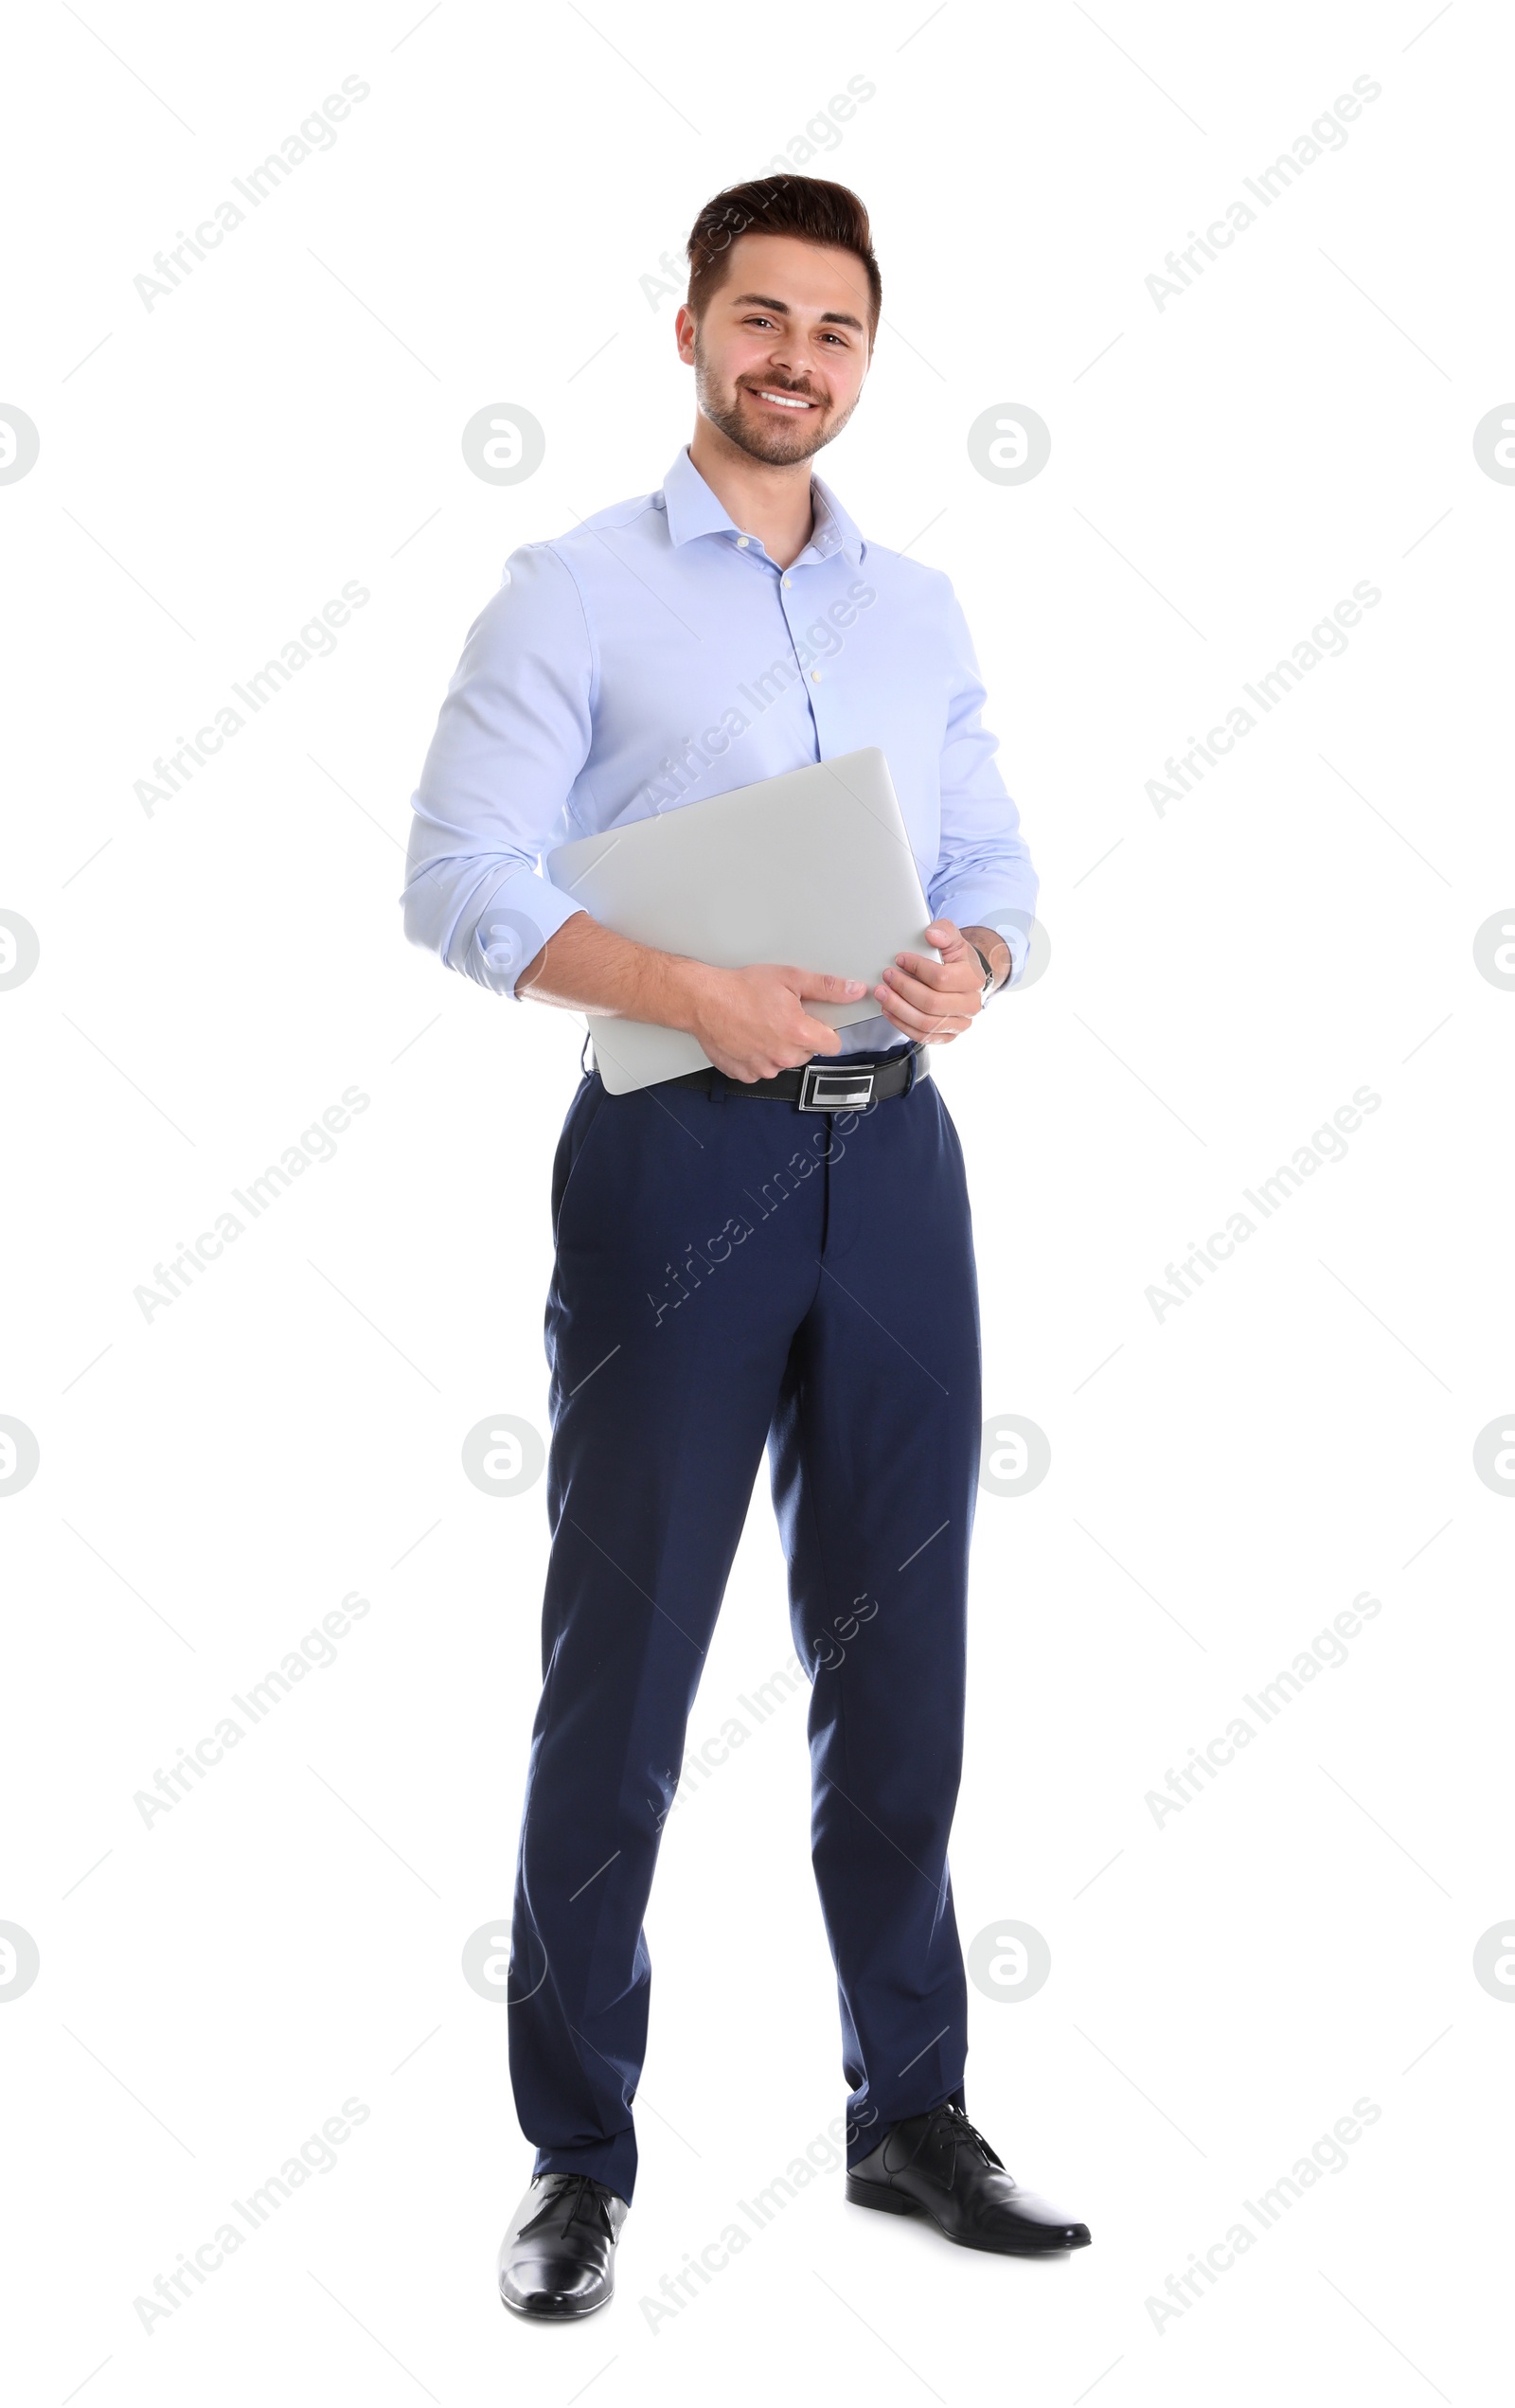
x: 822, y: 1089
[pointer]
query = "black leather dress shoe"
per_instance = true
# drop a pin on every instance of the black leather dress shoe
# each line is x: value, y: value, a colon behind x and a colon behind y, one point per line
x: 559, y: 2256
x: 939, y: 2166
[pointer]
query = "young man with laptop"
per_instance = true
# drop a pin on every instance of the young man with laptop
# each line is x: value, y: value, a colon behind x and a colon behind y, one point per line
x: 770, y: 1247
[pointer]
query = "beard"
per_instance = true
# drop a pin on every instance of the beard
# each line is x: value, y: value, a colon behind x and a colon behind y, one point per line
x: 763, y: 438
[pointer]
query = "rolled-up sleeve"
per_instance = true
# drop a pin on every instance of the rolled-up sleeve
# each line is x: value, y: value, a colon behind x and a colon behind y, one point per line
x: 513, y: 734
x: 985, y: 878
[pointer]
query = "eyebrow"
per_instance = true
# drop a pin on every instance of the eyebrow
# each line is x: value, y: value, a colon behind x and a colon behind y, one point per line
x: 785, y: 309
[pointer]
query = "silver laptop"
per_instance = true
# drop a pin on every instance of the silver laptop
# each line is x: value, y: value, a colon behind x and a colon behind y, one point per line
x: 812, y: 867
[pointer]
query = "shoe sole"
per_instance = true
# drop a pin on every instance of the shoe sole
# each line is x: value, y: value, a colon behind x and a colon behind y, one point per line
x: 556, y: 2314
x: 896, y: 2202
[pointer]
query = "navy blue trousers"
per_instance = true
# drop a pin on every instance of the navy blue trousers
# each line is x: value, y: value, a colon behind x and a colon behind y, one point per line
x: 732, y: 1272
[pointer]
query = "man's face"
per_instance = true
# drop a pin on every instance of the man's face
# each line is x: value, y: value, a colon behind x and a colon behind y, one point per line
x: 781, y: 352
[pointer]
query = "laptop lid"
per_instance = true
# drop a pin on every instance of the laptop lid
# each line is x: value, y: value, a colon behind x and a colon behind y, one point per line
x: 813, y: 867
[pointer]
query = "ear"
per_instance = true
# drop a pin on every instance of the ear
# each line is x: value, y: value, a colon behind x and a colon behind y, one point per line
x: 684, y: 331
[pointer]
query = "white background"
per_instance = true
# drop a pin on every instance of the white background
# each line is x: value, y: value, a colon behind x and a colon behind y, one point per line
x: 1222, y: 977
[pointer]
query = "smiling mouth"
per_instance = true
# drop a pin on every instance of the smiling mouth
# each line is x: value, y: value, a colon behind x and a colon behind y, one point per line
x: 780, y: 399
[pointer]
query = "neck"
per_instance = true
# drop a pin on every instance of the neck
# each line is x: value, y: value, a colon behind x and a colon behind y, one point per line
x: 769, y: 499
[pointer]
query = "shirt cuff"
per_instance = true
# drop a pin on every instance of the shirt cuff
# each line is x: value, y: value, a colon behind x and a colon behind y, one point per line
x: 1015, y: 927
x: 522, y: 914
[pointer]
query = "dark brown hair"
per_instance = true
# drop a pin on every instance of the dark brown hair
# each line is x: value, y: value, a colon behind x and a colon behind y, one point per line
x: 803, y: 205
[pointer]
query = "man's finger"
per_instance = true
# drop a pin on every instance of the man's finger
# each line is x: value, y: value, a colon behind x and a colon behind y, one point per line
x: 921, y: 1022
x: 823, y: 1040
x: 924, y: 1032
x: 945, y: 974
x: 927, y: 995
x: 820, y: 987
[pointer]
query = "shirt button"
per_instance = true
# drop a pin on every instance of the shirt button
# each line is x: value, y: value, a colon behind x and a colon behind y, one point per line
x: 815, y: 676
x: 741, y: 543
x: 789, y: 581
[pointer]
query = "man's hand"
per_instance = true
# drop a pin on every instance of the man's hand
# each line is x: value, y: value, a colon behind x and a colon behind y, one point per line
x: 752, y: 1023
x: 936, y: 1001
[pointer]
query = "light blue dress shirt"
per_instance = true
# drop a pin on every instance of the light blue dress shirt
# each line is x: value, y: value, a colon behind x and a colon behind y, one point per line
x: 657, y: 656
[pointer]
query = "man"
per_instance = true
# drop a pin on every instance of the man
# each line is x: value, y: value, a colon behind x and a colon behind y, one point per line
x: 734, y: 1266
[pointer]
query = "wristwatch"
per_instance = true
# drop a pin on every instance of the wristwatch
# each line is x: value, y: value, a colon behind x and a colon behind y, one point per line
x: 987, y: 987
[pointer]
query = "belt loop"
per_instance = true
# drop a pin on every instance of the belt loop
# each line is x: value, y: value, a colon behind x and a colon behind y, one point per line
x: 916, y: 1053
x: 584, y: 1049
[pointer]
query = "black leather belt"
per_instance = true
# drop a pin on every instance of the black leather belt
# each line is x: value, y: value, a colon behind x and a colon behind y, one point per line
x: 831, y: 1084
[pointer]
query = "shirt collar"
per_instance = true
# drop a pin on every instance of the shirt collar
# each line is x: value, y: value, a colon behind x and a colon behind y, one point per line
x: 692, y: 508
